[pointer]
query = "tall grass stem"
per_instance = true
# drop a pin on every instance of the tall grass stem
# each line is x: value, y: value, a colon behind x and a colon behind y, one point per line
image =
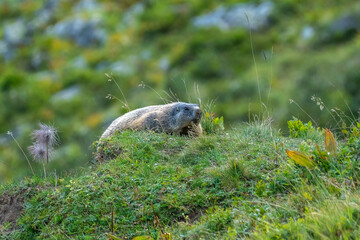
x: 253, y: 55
x: 27, y: 159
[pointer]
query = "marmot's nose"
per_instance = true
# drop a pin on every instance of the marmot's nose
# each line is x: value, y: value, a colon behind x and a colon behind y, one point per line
x: 198, y: 113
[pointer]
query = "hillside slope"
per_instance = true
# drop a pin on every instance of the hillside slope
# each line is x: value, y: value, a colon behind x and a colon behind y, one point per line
x: 54, y: 55
x: 226, y: 185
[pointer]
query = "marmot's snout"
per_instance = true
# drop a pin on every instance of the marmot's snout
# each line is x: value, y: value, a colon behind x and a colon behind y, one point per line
x: 198, y: 114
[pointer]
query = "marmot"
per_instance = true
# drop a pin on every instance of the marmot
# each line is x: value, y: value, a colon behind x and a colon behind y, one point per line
x: 178, y: 117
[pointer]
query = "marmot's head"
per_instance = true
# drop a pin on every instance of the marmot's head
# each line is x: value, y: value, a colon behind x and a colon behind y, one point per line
x: 185, y: 114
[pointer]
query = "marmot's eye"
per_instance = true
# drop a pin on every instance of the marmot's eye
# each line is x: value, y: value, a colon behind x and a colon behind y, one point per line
x: 178, y: 109
x: 186, y: 108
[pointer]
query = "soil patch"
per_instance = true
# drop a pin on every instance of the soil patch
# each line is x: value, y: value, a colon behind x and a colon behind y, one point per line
x: 105, y: 152
x: 11, y: 206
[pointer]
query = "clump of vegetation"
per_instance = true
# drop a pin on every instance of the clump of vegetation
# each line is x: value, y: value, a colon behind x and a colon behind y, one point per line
x: 233, y: 173
x: 209, y: 122
x: 298, y: 129
x: 331, y: 160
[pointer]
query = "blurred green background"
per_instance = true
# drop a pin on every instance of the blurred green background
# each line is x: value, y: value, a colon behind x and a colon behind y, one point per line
x: 54, y: 55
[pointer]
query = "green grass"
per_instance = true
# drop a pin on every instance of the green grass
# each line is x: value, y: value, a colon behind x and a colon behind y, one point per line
x: 228, y: 185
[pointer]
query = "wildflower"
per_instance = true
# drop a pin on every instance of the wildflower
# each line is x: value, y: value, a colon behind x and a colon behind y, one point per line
x: 38, y: 151
x: 46, y: 135
x: 44, y: 139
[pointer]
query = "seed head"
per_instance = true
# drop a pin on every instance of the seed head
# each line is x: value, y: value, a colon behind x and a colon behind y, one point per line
x: 46, y: 135
x: 39, y: 152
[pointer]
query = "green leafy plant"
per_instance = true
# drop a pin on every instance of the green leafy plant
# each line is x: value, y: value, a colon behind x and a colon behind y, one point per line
x: 298, y: 129
x: 213, y: 124
x: 218, y: 219
x: 260, y: 188
x: 349, y: 154
x: 210, y: 122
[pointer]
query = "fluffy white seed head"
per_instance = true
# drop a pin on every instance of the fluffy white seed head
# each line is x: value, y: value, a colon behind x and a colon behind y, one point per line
x: 39, y: 152
x: 46, y: 135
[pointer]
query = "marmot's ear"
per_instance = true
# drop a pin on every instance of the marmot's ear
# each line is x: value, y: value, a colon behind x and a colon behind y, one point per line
x: 175, y: 111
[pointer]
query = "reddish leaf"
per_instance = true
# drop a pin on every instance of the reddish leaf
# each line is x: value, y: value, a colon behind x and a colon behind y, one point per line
x: 301, y: 159
x: 330, y: 143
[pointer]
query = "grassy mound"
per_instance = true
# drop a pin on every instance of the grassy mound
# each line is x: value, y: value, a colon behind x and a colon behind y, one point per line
x: 238, y: 184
